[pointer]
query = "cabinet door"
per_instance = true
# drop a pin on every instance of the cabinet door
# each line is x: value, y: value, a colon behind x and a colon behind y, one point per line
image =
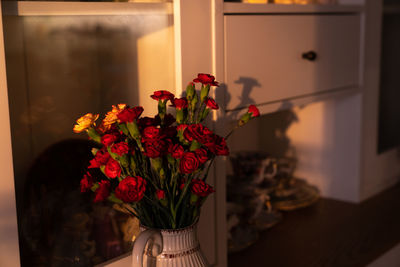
x: 58, y: 68
x: 270, y: 58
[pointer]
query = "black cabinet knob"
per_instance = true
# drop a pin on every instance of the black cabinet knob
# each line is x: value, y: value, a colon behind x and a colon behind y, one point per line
x: 310, y: 55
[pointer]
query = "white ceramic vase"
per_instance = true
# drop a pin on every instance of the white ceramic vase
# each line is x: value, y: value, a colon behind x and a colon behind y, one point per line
x: 168, y: 248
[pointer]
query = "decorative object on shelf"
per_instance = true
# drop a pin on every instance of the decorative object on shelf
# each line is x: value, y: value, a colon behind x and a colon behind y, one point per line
x: 266, y: 185
x: 285, y: 2
x: 305, y: 2
x: 294, y: 194
x: 255, y: 1
x: 249, y: 209
x: 156, y: 168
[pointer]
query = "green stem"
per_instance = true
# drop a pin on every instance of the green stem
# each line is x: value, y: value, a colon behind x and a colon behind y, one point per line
x: 184, y: 191
x: 208, y: 168
x: 146, y: 215
x: 229, y: 134
x: 158, y: 205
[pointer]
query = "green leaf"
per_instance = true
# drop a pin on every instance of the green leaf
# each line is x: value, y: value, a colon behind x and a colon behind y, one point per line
x: 123, y: 128
x: 133, y: 130
x: 205, y: 89
x: 114, y: 199
x: 102, y: 168
x: 190, y: 91
x: 194, y: 145
x: 124, y: 161
x: 94, y: 187
x: 93, y: 134
x: 113, y: 155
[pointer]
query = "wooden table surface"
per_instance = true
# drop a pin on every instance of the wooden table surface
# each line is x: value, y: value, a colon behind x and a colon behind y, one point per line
x: 330, y: 233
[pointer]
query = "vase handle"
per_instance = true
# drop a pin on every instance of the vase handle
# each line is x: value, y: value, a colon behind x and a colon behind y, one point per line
x: 140, y: 244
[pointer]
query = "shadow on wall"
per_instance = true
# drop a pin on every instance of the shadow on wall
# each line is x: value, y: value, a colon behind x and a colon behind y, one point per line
x: 267, y: 133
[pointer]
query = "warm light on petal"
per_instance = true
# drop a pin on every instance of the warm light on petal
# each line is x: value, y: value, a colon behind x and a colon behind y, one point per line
x: 111, y: 116
x: 85, y: 122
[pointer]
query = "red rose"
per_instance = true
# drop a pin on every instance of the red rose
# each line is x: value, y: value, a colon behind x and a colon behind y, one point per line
x: 218, y: 146
x: 210, y: 103
x: 101, y: 158
x: 209, y: 140
x: 205, y: 79
x: 112, y: 169
x: 254, y: 111
x: 151, y: 133
x: 102, y: 192
x: 130, y: 114
x: 189, y: 163
x: 180, y: 103
x: 176, y: 150
x: 120, y: 148
x: 108, y: 139
x: 160, y: 194
x: 94, y: 164
x: 156, y: 148
x: 200, y: 188
x: 196, y: 132
x: 131, y: 189
x: 147, y: 121
x: 162, y: 95
x: 86, y: 182
x: 202, y: 155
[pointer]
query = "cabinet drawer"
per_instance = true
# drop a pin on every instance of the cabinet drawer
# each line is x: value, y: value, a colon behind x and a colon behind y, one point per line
x: 264, y: 62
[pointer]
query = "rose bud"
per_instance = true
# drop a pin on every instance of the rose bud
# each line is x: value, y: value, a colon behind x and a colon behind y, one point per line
x: 252, y: 112
x: 161, y: 197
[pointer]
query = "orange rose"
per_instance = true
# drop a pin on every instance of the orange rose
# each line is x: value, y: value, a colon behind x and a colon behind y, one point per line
x: 111, y: 116
x: 85, y: 122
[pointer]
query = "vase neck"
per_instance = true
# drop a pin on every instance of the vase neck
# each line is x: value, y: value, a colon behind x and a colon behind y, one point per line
x: 180, y: 240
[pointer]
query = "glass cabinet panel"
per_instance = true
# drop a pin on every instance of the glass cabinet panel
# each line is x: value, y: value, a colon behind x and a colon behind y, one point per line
x: 59, y: 68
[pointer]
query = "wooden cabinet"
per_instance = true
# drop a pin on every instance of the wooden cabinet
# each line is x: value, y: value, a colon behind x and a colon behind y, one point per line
x: 274, y: 57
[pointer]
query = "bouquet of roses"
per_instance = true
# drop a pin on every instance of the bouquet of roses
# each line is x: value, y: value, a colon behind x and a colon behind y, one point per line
x: 156, y: 167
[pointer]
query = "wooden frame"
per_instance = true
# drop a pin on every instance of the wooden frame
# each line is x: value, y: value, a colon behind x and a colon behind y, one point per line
x: 9, y: 248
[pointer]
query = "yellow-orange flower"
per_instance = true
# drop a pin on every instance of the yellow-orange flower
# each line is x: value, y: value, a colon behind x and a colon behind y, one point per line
x: 111, y: 116
x: 85, y: 122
